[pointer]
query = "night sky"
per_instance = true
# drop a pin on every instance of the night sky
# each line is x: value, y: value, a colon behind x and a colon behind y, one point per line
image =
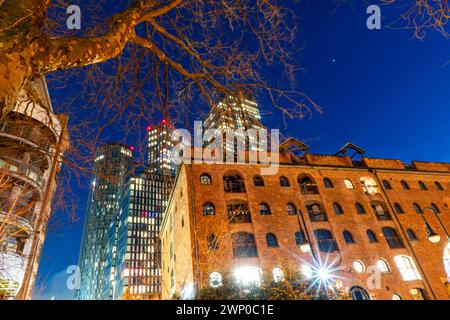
x: 383, y: 90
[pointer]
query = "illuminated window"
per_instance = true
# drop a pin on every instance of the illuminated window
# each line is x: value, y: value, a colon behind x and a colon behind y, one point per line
x: 277, y: 274
x: 248, y: 275
x: 396, y: 296
x: 383, y: 266
x: 417, y: 294
x: 447, y: 260
x: 358, y: 266
x: 215, y: 279
x: 205, y: 179
x: 349, y: 184
x: 369, y: 185
x: 407, y: 268
x: 307, y: 271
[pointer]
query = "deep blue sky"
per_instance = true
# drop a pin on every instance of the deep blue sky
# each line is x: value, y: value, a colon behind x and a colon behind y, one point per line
x: 383, y: 90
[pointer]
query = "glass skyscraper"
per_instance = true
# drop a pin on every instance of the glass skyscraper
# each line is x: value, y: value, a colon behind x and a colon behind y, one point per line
x: 113, y: 166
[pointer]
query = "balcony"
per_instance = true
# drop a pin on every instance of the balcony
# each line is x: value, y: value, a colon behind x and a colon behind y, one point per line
x: 239, y: 213
x: 25, y: 170
x: 383, y: 216
x: 318, y: 216
x: 235, y: 187
x: 309, y: 190
x: 395, y: 242
x: 27, y: 132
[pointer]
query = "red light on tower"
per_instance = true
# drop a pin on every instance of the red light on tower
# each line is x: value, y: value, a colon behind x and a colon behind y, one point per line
x: 163, y: 121
x: 149, y: 128
x: 131, y: 148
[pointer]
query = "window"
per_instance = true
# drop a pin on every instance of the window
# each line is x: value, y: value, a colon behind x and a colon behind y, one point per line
x: 291, y: 209
x: 238, y: 212
x: 369, y: 185
x: 405, y: 185
x: 417, y: 208
x: 358, y: 266
x: 407, y: 268
x: 371, y: 236
x: 208, y: 209
x: 258, y: 181
x: 383, y: 266
x: 392, y: 238
x: 398, y: 208
x: 327, y: 183
x: 215, y: 279
x: 264, y: 209
x: 422, y: 186
x: 411, y: 235
x: 358, y: 293
x: 386, y: 185
x: 233, y: 183
x: 435, y: 208
x: 244, y: 245
x: 438, y: 186
x: 316, y: 214
x: 307, y: 185
x: 348, y: 237
x: 212, y: 241
x: 271, y: 240
x: 380, y: 211
x: 205, y: 179
x: 277, y: 274
x: 284, y: 182
x: 325, y: 240
x: 349, y: 184
x: 396, y: 296
x: 300, y: 238
x: 447, y: 260
x: 248, y: 275
x: 337, y: 208
x: 359, y: 208
x: 417, y: 294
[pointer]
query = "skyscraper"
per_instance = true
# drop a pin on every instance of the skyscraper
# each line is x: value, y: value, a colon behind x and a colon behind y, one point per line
x: 234, y: 114
x: 32, y: 140
x: 159, y: 148
x: 113, y: 166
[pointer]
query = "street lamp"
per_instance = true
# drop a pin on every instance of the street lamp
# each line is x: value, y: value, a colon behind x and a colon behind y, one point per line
x: 433, y: 236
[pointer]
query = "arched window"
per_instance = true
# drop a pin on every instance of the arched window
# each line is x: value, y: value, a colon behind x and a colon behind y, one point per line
x: 348, y: 237
x: 258, y: 181
x: 327, y: 183
x: 291, y: 208
x: 215, y: 279
x: 359, y: 208
x: 284, y: 182
x: 396, y: 296
x: 435, y: 208
x: 359, y: 293
x: 300, y: 238
x: 380, y: 210
x: 208, y: 209
x: 337, y: 208
x: 325, y: 240
x: 371, y: 236
x: 369, y: 185
x: 422, y: 186
x: 418, y: 294
x: 247, y: 276
x: 398, y: 208
x: 315, y: 212
x: 386, y: 185
x: 212, y: 241
x: 438, y: 186
x: 447, y: 261
x: 349, y: 184
x: 205, y: 179
x: 383, y: 266
x: 358, y: 266
x: 407, y: 268
x: 271, y: 240
x: 411, y: 235
x: 417, y: 208
x: 244, y: 245
x: 278, y: 274
x: 233, y: 183
x: 405, y: 185
x: 264, y: 208
x: 392, y: 238
x: 307, y: 185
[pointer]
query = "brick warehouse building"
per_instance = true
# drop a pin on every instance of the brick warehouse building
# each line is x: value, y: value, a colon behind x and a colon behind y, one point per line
x: 356, y: 213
